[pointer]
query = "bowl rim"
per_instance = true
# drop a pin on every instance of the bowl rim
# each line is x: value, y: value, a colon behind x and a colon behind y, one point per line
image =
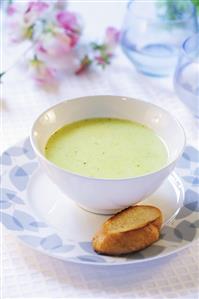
x: 123, y: 98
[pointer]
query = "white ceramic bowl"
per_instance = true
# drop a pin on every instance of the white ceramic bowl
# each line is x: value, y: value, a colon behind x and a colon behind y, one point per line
x: 107, y: 196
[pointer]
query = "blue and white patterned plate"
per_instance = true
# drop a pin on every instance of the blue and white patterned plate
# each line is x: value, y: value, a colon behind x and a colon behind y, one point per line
x: 33, y: 208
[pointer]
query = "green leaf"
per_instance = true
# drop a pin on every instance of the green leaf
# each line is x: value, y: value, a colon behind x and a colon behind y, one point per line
x: 196, y: 3
x: 100, y: 47
x: 29, y: 33
x: 173, y: 9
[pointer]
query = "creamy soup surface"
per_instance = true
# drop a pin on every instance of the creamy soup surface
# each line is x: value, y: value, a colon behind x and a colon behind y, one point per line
x: 107, y: 148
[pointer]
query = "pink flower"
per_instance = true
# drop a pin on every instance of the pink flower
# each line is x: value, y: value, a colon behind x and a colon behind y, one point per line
x: 55, y: 49
x: 100, y: 60
x: 68, y: 21
x: 18, y: 31
x: 11, y: 10
x: 55, y: 45
x: 41, y: 73
x: 37, y: 6
x: 112, y: 37
x: 40, y: 48
x: 34, y: 11
x: 74, y: 38
x: 103, y: 60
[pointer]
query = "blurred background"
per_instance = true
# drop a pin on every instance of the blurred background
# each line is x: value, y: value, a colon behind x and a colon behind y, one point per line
x: 52, y: 50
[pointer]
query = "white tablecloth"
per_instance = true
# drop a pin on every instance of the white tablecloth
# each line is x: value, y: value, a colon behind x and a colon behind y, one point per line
x: 27, y: 273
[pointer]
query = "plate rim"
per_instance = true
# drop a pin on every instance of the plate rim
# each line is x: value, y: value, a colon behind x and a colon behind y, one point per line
x: 130, y: 262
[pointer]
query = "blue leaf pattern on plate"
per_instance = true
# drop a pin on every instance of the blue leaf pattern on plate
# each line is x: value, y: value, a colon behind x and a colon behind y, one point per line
x: 9, y: 195
x: 192, y: 180
x: 183, y: 213
x: 191, y: 154
x: 51, y: 242
x: 19, y: 178
x: 91, y: 258
x: 86, y: 246
x: 5, y: 159
x: 15, y: 151
x: 64, y: 248
x: 187, y: 230
x: 196, y: 172
x: 178, y: 233
x: 29, y: 168
x: 4, y: 204
x: 28, y: 150
x: 153, y: 250
x: 195, y: 224
x: 15, y: 199
x: 10, y: 222
x: 185, y: 156
x: 183, y: 163
x: 25, y: 219
x: 134, y: 256
x: 169, y: 234
x: 38, y: 224
x: 195, y: 181
x: 31, y: 240
x: 191, y: 200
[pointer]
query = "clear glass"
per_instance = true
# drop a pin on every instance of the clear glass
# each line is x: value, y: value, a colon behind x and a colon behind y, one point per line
x: 186, y: 78
x: 153, y: 32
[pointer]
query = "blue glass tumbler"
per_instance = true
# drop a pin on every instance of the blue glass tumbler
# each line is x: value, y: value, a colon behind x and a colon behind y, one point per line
x: 153, y: 32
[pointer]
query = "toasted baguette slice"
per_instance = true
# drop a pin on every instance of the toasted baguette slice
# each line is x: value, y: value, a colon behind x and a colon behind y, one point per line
x: 130, y: 230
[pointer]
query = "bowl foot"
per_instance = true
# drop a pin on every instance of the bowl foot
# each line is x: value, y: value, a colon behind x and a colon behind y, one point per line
x: 99, y: 211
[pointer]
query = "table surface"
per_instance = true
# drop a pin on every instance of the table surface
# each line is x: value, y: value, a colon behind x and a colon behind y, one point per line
x: 27, y: 273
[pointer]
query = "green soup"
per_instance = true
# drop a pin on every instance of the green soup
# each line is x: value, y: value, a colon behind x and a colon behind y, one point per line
x: 107, y: 148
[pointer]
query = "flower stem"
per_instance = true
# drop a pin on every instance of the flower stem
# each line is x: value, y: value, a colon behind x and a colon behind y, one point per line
x: 18, y: 60
x: 1, y: 75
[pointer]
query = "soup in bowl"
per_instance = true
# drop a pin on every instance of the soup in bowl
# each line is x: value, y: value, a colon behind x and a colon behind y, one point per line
x: 107, y: 152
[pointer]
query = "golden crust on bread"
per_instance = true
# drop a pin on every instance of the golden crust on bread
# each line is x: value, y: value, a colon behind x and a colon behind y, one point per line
x: 130, y: 230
